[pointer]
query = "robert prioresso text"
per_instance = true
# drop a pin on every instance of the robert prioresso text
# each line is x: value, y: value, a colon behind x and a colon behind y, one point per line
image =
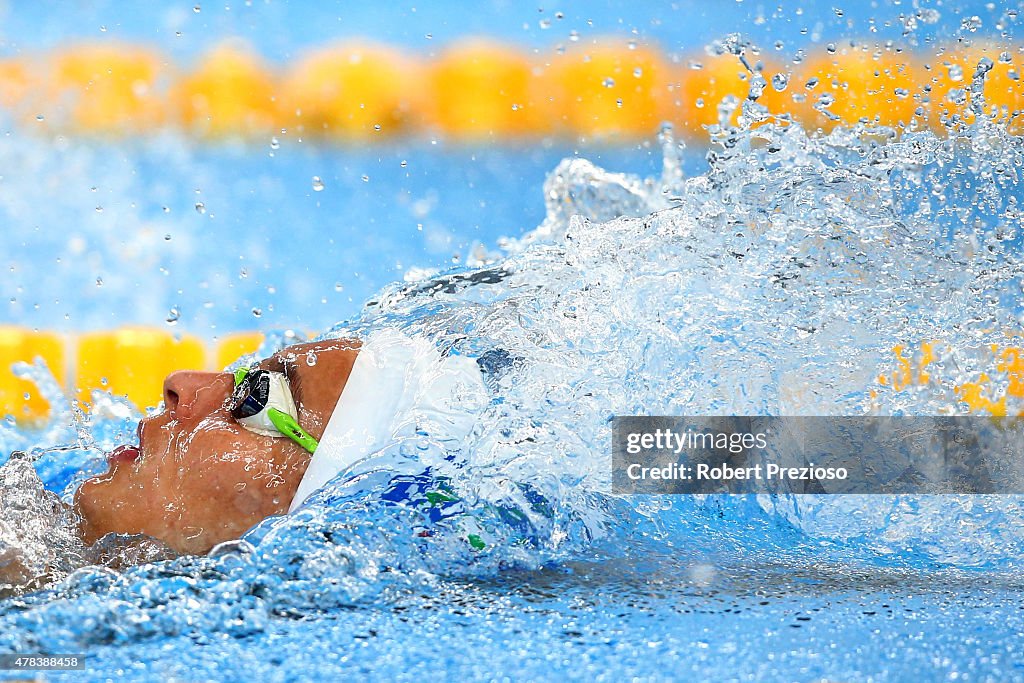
x: 705, y: 472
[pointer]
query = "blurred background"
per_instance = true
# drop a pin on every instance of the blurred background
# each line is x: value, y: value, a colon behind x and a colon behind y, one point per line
x: 179, y: 179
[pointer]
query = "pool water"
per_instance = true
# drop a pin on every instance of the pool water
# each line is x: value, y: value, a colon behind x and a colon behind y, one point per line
x: 657, y: 619
x: 777, y: 280
x: 776, y: 273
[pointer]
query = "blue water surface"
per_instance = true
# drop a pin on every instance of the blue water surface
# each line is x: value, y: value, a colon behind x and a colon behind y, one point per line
x: 772, y: 277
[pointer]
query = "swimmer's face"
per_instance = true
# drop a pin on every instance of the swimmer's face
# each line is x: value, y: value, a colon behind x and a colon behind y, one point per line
x: 198, y: 477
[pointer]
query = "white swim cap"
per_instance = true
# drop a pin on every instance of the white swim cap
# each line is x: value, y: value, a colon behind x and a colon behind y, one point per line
x: 397, y: 383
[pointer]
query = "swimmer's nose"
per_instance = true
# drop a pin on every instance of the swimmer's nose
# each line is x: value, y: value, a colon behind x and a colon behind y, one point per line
x: 189, y: 393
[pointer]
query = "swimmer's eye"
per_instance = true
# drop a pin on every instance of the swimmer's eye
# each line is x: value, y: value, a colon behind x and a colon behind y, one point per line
x: 262, y: 402
x: 251, y: 394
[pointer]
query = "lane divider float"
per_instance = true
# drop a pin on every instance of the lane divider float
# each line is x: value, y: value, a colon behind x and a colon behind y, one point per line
x: 480, y: 89
x: 133, y: 361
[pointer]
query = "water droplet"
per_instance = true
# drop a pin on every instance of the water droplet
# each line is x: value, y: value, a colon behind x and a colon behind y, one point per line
x: 618, y: 103
x: 429, y: 36
x: 1005, y: 57
x: 338, y: 287
x: 39, y: 117
x: 318, y: 184
x: 956, y: 72
x: 197, y: 9
x: 984, y: 66
x: 404, y: 163
x: 311, y: 358
x: 970, y: 24
x: 780, y: 82
x: 638, y: 72
x: 167, y: 237
x: 544, y: 23
x: 376, y: 126
x: 902, y: 93
x: 173, y: 315
x: 275, y: 143
x: 99, y: 282
x: 243, y: 273
x: 574, y: 37
x: 366, y: 178
x: 608, y: 82
x: 103, y: 28
x: 257, y: 312
x: 200, y: 208
x: 167, y: 209
x: 99, y: 209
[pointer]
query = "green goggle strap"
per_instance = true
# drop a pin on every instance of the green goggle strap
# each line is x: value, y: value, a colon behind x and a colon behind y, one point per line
x: 287, y: 425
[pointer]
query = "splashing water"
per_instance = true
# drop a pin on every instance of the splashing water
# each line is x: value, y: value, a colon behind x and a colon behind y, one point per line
x: 34, y: 521
x: 777, y: 282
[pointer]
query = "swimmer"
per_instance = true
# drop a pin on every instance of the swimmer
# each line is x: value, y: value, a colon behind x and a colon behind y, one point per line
x: 199, y: 475
x: 229, y: 450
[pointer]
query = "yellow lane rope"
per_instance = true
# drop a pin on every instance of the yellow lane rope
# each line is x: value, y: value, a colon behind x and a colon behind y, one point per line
x: 479, y: 89
x: 133, y: 362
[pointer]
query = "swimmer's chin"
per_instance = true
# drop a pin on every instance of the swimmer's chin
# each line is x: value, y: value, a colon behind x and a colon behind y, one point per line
x: 95, y: 517
x: 86, y: 530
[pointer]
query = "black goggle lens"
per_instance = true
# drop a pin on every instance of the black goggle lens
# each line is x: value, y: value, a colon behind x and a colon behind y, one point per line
x: 251, y: 394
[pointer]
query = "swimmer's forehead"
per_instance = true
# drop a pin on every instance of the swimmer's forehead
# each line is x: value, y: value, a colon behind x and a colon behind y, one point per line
x: 313, y: 369
x: 296, y: 357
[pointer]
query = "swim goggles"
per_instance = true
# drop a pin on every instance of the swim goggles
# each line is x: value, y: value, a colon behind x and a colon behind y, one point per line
x: 262, y: 403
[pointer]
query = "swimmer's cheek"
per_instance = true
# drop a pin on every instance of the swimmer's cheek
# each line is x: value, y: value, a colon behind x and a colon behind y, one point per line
x: 263, y: 496
x: 223, y: 509
x: 260, y: 487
